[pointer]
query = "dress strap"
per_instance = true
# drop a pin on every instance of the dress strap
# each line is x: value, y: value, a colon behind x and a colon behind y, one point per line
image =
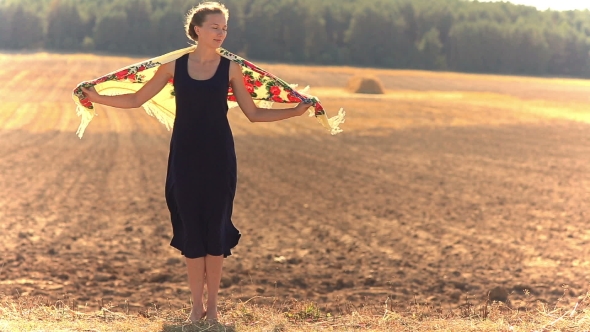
x: 224, y: 68
x: 180, y: 67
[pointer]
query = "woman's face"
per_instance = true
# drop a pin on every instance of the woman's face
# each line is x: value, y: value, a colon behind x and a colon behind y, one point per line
x: 213, y: 31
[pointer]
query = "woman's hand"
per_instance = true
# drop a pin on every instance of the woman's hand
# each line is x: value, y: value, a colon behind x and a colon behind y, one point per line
x: 302, y: 107
x: 90, y: 94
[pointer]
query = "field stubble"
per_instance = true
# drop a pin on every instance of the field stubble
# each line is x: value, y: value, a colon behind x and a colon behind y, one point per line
x: 439, y: 190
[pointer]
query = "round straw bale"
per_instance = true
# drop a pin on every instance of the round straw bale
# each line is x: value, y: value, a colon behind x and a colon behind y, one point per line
x: 365, y: 84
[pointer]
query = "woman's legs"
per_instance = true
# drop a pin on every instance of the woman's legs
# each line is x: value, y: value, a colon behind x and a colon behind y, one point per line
x: 213, y: 266
x: 196, y: 282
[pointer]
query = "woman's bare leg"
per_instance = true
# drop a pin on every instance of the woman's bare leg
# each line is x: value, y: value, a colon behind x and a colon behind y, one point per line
x: 213, y: 265
x: 196, y: 281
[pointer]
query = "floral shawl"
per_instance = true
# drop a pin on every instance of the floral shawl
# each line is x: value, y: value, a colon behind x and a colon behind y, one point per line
x: 264, y: 87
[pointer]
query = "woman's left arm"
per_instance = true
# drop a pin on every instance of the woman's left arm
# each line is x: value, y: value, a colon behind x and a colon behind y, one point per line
x: 252, y: 112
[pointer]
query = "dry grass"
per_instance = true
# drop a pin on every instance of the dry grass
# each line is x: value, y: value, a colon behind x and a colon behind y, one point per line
x: 35, y: 314
x: 366, y: 85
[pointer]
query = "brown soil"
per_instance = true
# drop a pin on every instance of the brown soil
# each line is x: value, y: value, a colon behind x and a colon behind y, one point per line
x: 417, y: 201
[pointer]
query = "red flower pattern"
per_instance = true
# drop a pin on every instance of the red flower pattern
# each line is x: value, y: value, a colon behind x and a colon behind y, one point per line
x: 121, y: 75
x: 85, y: 102
x: 275, y: 90
x: 250, y: 88
x: 292, y: 98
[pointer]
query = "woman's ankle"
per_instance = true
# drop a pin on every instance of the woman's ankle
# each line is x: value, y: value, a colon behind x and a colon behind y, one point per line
x: 198, y: 308
x: 211, y: 311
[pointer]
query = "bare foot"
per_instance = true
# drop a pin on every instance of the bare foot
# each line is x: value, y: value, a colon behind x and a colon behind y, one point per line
x: 197, y: 315
x: 212, y: 316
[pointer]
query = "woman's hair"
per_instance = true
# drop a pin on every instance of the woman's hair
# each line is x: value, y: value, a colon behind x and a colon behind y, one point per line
x: 198, y: 14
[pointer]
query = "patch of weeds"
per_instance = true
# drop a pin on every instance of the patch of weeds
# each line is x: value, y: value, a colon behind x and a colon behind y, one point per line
x: 308, y: 312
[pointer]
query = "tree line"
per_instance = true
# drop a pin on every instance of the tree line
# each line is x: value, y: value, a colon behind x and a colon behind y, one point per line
x: 456, y: 35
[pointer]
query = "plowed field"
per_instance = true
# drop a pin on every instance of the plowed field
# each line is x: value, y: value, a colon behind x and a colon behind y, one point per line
x: 438, y: 191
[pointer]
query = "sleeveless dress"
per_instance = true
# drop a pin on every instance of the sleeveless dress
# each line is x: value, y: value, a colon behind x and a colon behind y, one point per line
x: 202, y: 171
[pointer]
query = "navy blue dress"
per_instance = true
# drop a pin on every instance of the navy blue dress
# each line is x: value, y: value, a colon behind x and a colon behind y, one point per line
x: 202, y: 172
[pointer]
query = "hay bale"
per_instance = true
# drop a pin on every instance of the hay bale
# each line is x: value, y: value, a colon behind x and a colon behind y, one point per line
x: 366, y: 84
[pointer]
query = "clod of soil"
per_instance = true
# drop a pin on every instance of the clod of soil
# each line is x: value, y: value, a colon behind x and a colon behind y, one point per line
x: 499, y: 294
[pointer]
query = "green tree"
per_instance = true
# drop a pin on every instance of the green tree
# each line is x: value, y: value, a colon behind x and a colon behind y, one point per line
x: 110, y: 33
x: 26, y: 30
x: 372, y: 37
x: 335, y: 21
x: 477, y: 47
x: 528, y: 51
x: 65, y: 28
x: 139, y: 28
x: 5, y: 28
x: 265, y: 32
x: 168, y: 31
x: 430, y: 48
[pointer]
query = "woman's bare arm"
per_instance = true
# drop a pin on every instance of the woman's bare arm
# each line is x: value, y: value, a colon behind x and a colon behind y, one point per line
x: 252, y: 112
x: 133, y: 100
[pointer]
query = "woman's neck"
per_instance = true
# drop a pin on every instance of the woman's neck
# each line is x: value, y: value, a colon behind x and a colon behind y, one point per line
x: 204, y: 54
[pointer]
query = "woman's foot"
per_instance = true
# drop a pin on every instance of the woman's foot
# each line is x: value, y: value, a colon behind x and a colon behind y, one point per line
x: 211, y: 315
x: 197, y: 315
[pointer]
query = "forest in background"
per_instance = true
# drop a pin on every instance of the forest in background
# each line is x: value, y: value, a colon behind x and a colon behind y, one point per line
x: 453, y: 35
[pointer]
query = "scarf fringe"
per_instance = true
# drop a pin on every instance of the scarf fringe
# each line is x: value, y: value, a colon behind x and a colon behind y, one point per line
x: 152, y: 110
x: 333, y: 123
x: 86, y: 116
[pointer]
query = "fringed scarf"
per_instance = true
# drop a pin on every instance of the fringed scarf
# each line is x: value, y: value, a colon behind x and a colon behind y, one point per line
x: 264, y: 87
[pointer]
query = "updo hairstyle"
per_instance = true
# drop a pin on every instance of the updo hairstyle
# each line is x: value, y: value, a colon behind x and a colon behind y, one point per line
x: 197, y: 15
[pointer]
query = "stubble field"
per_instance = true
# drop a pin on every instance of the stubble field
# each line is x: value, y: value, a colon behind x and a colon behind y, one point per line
x: 438, y: 191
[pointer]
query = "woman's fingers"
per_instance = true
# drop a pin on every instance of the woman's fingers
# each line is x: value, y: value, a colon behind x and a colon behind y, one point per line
x: 88, y: 91
x: 303, y: 107
x: 306, y: 105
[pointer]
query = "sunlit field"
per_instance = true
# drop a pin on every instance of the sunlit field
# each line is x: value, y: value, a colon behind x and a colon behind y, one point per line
x: 438, y: 191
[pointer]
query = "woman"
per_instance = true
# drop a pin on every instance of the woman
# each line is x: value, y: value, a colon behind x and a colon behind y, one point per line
x: 202, y: 175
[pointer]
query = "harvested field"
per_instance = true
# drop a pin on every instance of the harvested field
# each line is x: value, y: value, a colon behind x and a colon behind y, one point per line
x: 438, y: 191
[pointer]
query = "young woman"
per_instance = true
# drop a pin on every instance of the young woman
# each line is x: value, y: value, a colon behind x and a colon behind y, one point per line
x: 202, y: 172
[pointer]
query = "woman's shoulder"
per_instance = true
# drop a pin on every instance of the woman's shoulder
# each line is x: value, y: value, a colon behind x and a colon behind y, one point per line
x: 235, y: 70
x: 233, y: 66
x: 169, y: 67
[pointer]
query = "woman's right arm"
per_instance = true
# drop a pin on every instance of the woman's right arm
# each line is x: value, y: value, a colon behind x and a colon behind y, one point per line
x: 133, y: 100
